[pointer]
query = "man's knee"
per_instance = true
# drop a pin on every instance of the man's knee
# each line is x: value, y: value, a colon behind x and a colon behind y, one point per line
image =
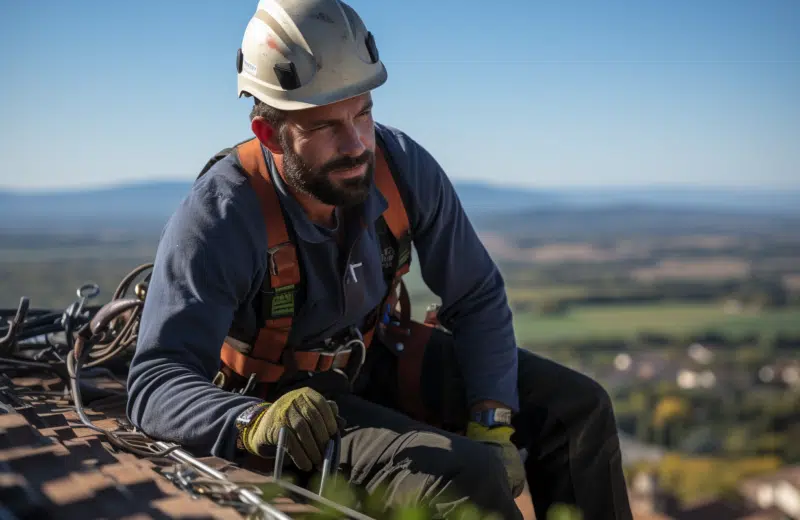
x: 464, y: 470
x: 455, y: 458
x: 480, y: 463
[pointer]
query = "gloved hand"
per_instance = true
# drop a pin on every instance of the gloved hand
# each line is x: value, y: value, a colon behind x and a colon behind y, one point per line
x: 311, y: 421
x: 499, y: 437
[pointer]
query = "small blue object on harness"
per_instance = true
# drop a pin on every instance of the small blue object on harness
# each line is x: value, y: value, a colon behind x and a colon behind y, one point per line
x: 385, y: 317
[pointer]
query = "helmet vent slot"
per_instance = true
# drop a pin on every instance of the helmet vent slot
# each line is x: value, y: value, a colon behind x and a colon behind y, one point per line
x: 287, y: 75
x: 372, y: 48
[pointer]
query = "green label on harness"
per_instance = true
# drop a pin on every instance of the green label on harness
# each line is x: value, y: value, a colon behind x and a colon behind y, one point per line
x: 405, y: 254
x: 283, y: 301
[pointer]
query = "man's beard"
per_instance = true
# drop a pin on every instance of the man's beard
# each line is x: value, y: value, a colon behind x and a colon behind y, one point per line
x: 317, y: 183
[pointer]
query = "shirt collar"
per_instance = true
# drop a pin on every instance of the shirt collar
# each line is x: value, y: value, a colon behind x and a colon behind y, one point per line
x: 306, y: 230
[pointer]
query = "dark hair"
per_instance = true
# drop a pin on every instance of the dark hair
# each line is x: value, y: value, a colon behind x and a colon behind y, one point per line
x: 272, y: 115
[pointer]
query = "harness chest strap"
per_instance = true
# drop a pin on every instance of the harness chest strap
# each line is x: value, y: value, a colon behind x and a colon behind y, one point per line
x: 268, y: 357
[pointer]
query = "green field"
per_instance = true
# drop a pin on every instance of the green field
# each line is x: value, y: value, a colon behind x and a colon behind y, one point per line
x: 619, y: 321
x: 543, y: 293
x: 625, y: 321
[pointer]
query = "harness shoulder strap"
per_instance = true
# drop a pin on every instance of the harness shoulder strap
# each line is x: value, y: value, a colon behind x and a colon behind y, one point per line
x: 395, y: 219
x: 283, y: 274
x: 395, y: 216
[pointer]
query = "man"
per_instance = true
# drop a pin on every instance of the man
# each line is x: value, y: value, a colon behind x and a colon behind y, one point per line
x: 311, y: 65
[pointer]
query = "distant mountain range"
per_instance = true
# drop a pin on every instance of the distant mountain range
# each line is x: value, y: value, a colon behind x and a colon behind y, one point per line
x: 488, y: 198
x: 150, y: 203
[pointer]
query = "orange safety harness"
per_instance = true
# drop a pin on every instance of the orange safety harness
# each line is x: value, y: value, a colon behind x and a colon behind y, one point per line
x: 254, y: 366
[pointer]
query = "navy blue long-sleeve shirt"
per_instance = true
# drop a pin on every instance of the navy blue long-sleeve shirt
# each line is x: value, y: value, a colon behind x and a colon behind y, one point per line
x: 211, y: 262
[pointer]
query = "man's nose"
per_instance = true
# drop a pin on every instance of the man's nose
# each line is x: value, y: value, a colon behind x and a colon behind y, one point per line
x: 351, y: 141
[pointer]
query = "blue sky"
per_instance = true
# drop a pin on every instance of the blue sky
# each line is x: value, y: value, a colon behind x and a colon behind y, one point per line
x: 539, y: 93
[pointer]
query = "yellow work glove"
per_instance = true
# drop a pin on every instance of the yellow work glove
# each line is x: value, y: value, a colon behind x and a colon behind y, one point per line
x: 311, y: 422
x: 499, y: 438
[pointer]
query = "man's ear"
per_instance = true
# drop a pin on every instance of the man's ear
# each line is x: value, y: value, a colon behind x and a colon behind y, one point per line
x: 267, y: 134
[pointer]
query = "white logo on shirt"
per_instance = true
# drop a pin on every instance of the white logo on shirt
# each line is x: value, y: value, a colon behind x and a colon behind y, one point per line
x: 353, y: 271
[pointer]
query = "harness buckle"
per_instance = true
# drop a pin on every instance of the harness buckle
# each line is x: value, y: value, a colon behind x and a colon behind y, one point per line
x: 271, y: 252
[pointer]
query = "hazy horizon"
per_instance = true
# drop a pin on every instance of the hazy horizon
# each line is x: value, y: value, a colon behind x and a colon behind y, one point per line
x: 522, y: 94
x: 458, y: 181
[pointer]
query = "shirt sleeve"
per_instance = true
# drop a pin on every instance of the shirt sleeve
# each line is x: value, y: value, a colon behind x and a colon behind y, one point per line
x: 204, y: 268
x: 457, y: 268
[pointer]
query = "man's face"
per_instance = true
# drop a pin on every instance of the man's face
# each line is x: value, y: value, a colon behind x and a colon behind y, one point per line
x: 329, y: 151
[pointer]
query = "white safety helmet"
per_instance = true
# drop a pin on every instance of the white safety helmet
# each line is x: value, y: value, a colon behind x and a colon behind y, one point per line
x: 298, y: 54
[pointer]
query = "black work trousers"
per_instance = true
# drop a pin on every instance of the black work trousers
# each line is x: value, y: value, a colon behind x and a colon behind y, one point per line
x: 566, y: 424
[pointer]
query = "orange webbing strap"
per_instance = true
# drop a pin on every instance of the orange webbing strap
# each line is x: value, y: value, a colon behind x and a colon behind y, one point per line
x: 268, y: 372
x: 395, y: 215
x: 243, y: 365
x: 396, y: 219
x: 283, y: 269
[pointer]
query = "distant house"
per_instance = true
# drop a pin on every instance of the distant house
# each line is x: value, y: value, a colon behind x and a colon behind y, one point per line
x: 785, y: 373
x: 779, y: 490
x: 690, y: 379
x: 700, y: 353
x: 775, y: 496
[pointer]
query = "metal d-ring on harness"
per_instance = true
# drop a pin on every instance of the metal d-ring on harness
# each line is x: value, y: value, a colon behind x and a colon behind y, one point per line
x: 251, y: 384
x: 355, y: 342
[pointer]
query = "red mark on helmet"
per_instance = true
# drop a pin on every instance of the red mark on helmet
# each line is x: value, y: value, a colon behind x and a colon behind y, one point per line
x: 272, y: 45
